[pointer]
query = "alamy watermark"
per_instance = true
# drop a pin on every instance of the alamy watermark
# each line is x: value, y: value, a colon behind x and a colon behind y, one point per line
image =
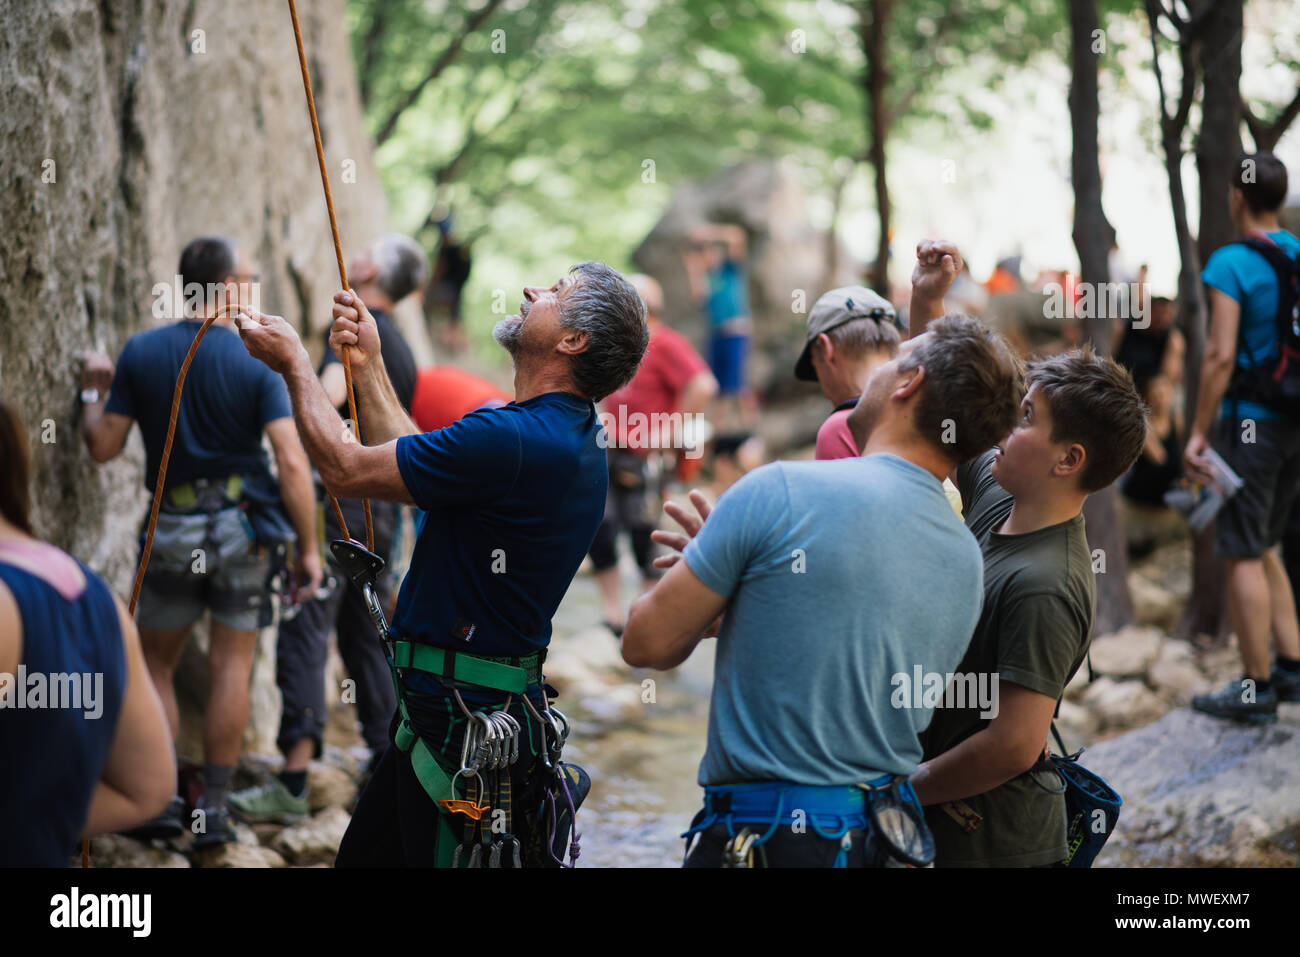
x: 1129, y: 301
x: 653, y: 430
x: 934, y: 689
x: 174, y: 299
x: 83, y: 691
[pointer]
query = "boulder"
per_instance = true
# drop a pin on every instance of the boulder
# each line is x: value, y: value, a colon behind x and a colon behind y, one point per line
x: 1174, y: 674
x: 1122, y: 704
x: 1126, y: 653
x: 238, y: 855
x: 328, y: 786
x: 1076, y: 724
x: 1199, y: 792
x: 116, y: 850
x: 788, y: 258
x: 1153, y: 604
x: 314, y: 841
x: 1078, y: 684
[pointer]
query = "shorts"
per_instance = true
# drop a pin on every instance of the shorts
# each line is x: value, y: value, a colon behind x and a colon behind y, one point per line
x: 627, y: 508
x: 208, y: 563
x: 727, y: 355
x: 1252, y: 521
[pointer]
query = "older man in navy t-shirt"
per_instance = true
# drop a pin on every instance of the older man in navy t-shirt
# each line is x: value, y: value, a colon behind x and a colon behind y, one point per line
x: 513, y: 498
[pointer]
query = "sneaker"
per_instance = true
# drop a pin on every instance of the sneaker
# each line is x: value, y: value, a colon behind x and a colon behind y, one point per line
x: 1286, y: 684
x: 1229, y: 702
x: 170, y: 823
x: 218, y: 829
x: 269, y: 803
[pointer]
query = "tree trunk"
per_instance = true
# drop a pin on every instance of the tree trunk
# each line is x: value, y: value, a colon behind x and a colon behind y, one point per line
x: 1093, y: 238
x: 1219, y: 144
x: 874, y: 23
x: 1217, y: 149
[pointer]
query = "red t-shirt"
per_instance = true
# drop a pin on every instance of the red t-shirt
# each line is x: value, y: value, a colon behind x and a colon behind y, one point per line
x: 835, y: 439
x: 670, y: 363
x: 445, y: 393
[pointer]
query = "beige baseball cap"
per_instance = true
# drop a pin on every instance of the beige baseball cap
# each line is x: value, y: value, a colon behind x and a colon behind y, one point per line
x: 834, y: 309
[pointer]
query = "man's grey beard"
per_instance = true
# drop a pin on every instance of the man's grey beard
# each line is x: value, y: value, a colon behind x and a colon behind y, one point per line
x: 507, y: 334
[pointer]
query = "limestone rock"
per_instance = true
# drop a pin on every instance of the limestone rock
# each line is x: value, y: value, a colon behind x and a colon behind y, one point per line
x: 238, y: 855
x: 788, y: 260
x: 1122, y: 704
x: 1079, y: 684
x: 112, y: 165
x: 1126, y: 653
x: 116, y: 850
x: 316, y: 840
x: 1174, y: 673
x: 619, y: 703
x: 1201, y: 792
x: 1076, y: 724
x: 1153, y: 604
x: 328, y: 786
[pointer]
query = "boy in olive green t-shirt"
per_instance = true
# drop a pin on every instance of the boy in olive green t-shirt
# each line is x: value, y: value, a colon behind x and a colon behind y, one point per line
x: 1083, y: 425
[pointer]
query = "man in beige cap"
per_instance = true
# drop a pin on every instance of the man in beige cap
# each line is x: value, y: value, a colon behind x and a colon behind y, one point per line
x: 851, y: 331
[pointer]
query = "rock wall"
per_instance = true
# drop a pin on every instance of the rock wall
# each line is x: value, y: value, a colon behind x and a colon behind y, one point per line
x: 126, y: 129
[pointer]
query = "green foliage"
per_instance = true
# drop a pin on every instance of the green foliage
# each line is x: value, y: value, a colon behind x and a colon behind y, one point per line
x: 542, y: 152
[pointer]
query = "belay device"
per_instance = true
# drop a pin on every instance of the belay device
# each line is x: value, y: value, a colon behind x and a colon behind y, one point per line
x: 491, y: 741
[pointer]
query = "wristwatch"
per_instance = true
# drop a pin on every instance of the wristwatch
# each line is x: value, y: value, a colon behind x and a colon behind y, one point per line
x: 90, y: 396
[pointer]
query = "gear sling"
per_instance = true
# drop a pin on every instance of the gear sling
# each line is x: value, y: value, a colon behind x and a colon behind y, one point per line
x: 491, y: 743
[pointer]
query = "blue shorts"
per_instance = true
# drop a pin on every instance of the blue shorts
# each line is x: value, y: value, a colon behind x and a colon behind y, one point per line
x: 727, y: 355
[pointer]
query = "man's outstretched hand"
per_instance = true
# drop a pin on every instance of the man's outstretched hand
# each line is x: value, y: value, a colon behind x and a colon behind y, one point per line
x: 692, y: 523
x: 937, y: 264
x: 354, y: 328
x: 270, y: 339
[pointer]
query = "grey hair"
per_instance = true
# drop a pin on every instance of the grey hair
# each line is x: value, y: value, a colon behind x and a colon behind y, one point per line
x: 857, y: 336
x: 403, y: 266
x: 603, y: 304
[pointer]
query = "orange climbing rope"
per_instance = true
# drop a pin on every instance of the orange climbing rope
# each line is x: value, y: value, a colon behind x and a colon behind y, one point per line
x: 338, y: 247
x: 189, y: 356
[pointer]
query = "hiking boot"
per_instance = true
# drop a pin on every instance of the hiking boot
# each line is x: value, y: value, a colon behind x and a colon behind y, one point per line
x: 218, y: 829
x: 170, y: 823
x: 269, y: 803
x: 1230, y: 702
x: 1286, y: 684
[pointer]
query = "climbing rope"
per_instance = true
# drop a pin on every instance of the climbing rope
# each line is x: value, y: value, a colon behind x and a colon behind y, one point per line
x: 189, y: 356
x: 338, y: 255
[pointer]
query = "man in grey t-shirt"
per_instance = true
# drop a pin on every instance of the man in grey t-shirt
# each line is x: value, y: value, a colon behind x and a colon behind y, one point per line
x: 824, y: 576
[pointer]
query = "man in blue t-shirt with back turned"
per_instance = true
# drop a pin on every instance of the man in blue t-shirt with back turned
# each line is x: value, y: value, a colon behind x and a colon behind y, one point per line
x: 513, y: 497
x: 831, y: 636
x: 223, y: 519
x: 1259, y: 442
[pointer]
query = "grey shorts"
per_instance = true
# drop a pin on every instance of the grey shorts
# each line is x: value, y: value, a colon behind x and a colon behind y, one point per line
x: 208, y: 563
x: 1251, y: 522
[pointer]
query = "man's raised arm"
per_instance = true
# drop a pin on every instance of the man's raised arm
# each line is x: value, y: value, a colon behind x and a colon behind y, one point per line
x: 348, y: 469
x: 382, y: 417
x: 937, y: 265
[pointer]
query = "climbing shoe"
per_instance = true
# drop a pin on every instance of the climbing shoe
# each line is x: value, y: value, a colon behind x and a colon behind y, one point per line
x: 1286, y: 684
x: 217, y: 829
x: 170, y: 823
x: 1235, y: 702
x: 269, y: 803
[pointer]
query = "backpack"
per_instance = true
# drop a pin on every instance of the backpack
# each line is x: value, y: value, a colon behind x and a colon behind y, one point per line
x: 1274, y: 383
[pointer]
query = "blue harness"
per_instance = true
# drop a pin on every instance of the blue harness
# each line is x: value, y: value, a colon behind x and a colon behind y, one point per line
x: 831, y: 812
